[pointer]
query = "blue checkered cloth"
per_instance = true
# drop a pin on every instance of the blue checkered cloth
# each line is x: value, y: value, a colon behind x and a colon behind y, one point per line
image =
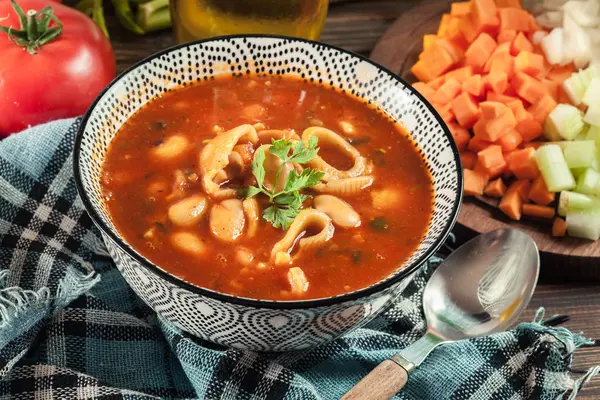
x: 71, y: 328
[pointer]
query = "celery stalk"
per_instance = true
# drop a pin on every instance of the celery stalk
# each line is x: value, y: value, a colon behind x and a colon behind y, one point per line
x: 592, y: 93
x: 584, y: 223
x: 554, y: 168
x: 574, y: 88
x: 593, y: 133
x: 592, y: 115
x: 587, y: 182
x: 564, y: 121
x: 575, y: 201
x: 579, y: 154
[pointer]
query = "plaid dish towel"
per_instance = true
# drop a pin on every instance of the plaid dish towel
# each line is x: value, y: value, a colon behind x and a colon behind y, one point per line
x: 70, y: 327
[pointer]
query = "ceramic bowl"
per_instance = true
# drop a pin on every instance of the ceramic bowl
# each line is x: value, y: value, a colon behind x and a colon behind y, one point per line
x: 244, y: 323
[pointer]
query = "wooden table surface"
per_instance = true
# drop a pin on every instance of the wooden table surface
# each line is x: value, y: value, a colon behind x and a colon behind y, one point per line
x: 356, y: 26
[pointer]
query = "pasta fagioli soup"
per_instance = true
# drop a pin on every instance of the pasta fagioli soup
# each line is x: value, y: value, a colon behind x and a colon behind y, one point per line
x: 268, y: 188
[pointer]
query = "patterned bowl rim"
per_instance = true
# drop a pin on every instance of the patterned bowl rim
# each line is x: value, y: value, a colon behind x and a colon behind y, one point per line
x: 258, y: 303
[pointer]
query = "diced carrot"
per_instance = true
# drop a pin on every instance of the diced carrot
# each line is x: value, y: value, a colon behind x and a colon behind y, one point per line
x: 477, y: 144
x: 443, y: 27
x: 528, y: 88
x: 520, y: 43
x: 425, y: 90
x: 562, y: 97
x: 522, y: 163
x: 456, y: 51
x: 494, y: 172
x: 421, y: 72
x: 551, y: 88
x: 559, y: 227
x: 515, y: 18
x: 518, y: 110
x: 529, y: 129
x: 491, y: 156
x: 438, y: 59
x: 460, y: 74
x: 501, y: 52
x: 542, y: 107
x: 483, y: 172
x: 499, y: 126
x: 437, y: 82
x: 506, y: 36
x: 461, y: 136
x: 522, y: 187
x: 546, y: 67
x: 501, y: 98
x: 484, y: 14
x: 474, y: 85
x: 497, y: 81
x: 468, y: 159
x: 429, y: 40
x: 510, y: 141
x: 468, y: 28
x: 504, y: 63
x: 495, y: 188
x: 533, y: 145
x: 529, y: 63
x: 454, y: 34
x: 459, y: 9
x: 537, y: 211
x: 508, y: 3
x: 480, y: 129
x: 448, y: 91
x: 511, y: 205
x: 480, y: 50
x: 560, y: 73
x: 445, y: 111
x: 492, y: 109
x: 540, y: 194
x: 474, y: 183
x: 465, y: 110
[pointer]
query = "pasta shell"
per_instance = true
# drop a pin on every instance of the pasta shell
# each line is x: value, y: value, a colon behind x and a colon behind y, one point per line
x: 214, y: 157
x: 252, y: 212
x: 345, y: 187
x: 333, y: 139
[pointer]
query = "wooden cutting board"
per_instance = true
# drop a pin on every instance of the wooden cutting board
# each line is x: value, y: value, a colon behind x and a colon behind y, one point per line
x: 563, y: 259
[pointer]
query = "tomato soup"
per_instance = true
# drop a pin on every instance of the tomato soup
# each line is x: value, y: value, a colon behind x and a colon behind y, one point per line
x: 268, y: 188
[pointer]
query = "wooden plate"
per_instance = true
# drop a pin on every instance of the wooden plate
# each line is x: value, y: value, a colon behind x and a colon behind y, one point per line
x: 563, y: 259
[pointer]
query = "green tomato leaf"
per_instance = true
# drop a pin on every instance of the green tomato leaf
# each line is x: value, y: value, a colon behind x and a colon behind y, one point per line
x: 257, y: 166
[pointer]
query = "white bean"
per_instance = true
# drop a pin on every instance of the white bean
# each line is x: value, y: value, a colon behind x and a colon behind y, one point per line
x: 340, y: 212
x: 189, y: 211
x: 227, y: 220
x: 188, y: 243
x: 171, y: 148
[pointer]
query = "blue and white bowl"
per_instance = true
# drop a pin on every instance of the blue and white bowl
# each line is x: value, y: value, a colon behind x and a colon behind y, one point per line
x: 238, y: 322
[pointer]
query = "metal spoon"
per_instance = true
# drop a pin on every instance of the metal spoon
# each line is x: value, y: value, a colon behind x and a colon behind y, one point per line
x: 481, y: 288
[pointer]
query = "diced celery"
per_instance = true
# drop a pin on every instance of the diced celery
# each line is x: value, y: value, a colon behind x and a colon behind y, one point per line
x: 586, y: 182
x: 592, y: 115
x: 575, y: 201
x: 554, y: 168
x: 593, y: 133
x: 577, y: 171
x: 592, y: 93
x: 584, y: 223
x: 564, y: 121
x: 574, y: 88
x: 586, y: 75
x: 583, y: 134
x: 580, y: 154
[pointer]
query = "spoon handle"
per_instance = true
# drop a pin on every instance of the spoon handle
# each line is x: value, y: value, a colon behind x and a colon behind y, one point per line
x: 381, y: 383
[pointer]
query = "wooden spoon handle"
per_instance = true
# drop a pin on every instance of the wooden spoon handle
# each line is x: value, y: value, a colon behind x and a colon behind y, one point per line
x: 381, y: 383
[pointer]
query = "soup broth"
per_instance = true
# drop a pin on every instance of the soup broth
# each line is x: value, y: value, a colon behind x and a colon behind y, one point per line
x: 177, y: 173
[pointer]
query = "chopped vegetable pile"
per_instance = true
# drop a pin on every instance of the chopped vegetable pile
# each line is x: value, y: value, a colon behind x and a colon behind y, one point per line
x: 524, y: 117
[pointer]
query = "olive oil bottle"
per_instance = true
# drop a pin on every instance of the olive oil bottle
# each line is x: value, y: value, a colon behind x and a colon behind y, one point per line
x: 199, y: 19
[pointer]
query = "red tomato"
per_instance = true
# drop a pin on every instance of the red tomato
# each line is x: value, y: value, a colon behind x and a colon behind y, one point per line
x: 62, y: 79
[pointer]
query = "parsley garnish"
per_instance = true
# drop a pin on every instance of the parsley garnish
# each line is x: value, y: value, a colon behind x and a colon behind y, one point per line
x: 285, y: 204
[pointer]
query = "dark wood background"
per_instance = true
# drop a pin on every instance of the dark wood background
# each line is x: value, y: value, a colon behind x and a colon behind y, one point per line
x: 356, y: 26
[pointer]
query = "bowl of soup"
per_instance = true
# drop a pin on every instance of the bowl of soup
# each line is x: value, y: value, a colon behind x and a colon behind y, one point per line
x: 263, y: 192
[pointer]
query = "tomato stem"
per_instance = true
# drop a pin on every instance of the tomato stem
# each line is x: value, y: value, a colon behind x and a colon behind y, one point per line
x: 35, y: 28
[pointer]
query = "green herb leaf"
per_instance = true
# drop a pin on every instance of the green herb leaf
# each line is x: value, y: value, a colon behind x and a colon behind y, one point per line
x: 307, y: 178
x: 280, y: 217
x: 303, y: 154
x: 280, y: 148
x: 257, y: 166
x: 250, y: 191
